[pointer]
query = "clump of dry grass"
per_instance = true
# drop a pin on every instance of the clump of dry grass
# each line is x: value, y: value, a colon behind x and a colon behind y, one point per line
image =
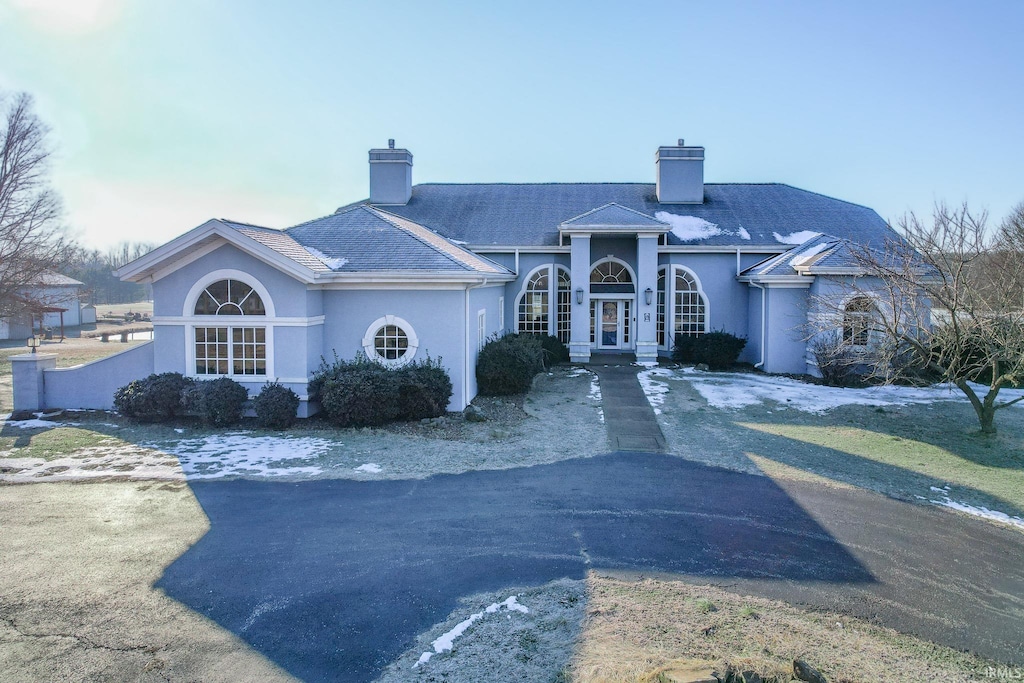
x: 634, y: 628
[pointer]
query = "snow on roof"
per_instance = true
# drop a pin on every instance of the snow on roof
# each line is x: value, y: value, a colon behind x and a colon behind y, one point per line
x: 688, y: 228
x: 796, y: 238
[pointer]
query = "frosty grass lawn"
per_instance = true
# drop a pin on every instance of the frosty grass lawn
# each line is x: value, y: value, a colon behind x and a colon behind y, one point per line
x: 918, y: 444
x: 914, y: 444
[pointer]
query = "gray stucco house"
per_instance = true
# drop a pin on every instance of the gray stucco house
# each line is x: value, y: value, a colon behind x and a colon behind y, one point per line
x: 608, y: 268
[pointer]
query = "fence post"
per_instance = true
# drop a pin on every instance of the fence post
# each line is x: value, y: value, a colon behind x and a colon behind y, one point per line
x: 27, y: 374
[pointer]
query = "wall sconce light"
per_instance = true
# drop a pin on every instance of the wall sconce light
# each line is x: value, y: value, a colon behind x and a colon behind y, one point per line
x: 647, y: 295
x: 33, y: 343
x: 579, y: 296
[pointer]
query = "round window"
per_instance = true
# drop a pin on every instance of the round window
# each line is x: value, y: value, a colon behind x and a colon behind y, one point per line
x: 390, y: 341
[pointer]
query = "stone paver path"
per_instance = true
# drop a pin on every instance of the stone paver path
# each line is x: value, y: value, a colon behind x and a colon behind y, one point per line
x: 628, y: 416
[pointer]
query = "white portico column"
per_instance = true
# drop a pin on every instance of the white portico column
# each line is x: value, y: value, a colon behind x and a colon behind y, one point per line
x: 646, y: 313
x: 579, y: 337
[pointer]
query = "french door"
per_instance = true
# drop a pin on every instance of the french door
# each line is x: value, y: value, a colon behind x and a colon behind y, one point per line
x: 609, y: 323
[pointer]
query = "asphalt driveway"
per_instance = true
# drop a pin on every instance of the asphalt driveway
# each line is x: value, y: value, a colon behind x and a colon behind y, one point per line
x: 332, y: 579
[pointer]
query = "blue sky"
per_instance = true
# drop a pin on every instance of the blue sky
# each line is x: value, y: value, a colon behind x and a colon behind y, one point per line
x: 169, y: 112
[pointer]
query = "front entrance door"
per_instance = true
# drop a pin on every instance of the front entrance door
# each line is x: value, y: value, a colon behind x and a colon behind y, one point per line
x: 610, y: 332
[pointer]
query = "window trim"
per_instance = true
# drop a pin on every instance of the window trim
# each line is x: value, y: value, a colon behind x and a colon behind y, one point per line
x: 670, y: 302
x: 228, y: 321
x: 369, y: 347
x: 552, y: 270
x: 869, y: 314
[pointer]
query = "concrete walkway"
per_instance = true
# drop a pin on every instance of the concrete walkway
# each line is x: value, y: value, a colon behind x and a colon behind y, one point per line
x: 628, y: 416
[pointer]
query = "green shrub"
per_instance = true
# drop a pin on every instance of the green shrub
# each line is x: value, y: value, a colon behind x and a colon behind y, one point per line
x: 685, y: 348
x: 555, y: 351
x: 718, y: 349
x: 507, y: 365
x: 218, y: 401
x: 275, y: 406
x: 154, y: 398
x: 424, y: 389
x: 361, y: 393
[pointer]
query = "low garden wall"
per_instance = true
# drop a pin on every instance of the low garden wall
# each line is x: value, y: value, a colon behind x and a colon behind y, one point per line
x: 92, y: 385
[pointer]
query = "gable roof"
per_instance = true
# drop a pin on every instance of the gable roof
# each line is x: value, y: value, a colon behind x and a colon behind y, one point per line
x: 614, y: 216
x: 529, y: 214
x: 364, y: 238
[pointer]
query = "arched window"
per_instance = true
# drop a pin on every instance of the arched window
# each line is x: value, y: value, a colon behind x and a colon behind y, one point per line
x: 229, y: 297
x: 563, y: 326
x: 857, y: 320
x: 235, y: 349
x: 534, y: 309
x: 689, y: 309
x: 533, y: 304
x: 610, y: 272
x: 611, y: 276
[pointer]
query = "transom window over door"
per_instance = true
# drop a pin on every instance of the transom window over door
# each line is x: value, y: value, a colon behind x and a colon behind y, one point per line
x: 237, y: 348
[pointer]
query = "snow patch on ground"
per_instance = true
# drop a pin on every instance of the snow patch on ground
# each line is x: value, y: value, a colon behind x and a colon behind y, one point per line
x: 122, y: 460
x: 240, y: 453
x: 688, y: 228
x: 329, y: 261
x: 795, y: 237
x: 976, y: 510
x: 371, y: 467
x: 739, y: 390
x: 34, y: 423
x: 653, y: 389
x: 447, y: 640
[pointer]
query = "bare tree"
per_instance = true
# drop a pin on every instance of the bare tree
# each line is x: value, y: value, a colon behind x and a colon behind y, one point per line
x: 32, y: 239
x: 947, y: 303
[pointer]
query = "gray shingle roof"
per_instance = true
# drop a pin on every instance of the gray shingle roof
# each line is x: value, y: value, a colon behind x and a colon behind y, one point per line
x: 364, y: 238
x: 529, y: 214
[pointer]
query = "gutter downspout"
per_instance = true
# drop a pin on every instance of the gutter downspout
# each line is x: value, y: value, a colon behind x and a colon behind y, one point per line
x: 737, y: 261
x: 465, y: 348
x: 764, y: 321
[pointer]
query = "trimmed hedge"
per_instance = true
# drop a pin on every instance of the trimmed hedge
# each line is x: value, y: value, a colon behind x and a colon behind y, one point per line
x: 362, y: 393
x: 507, y: 364
x: 153, y: 399
x: 218, y: 401
x: 718, y: 349
x: 275, y: 406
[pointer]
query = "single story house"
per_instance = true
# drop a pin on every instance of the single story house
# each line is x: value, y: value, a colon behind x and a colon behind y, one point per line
x: 608, y: 268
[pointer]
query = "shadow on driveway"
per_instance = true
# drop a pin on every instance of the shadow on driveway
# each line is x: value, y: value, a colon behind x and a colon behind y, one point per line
x: 333, y: 579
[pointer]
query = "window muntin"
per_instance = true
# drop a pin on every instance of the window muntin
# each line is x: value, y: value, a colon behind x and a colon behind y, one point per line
x: 543, y: 309
x: 481, y: 329
x: 229, y: 297
x: 857, y: 321
x: 610, y: 272
x: 659, y: 319
x: 390, y: 341
x: 230, y: 349
x: 533, y: 306
x: 689, y: 309
x: 563, y: 320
